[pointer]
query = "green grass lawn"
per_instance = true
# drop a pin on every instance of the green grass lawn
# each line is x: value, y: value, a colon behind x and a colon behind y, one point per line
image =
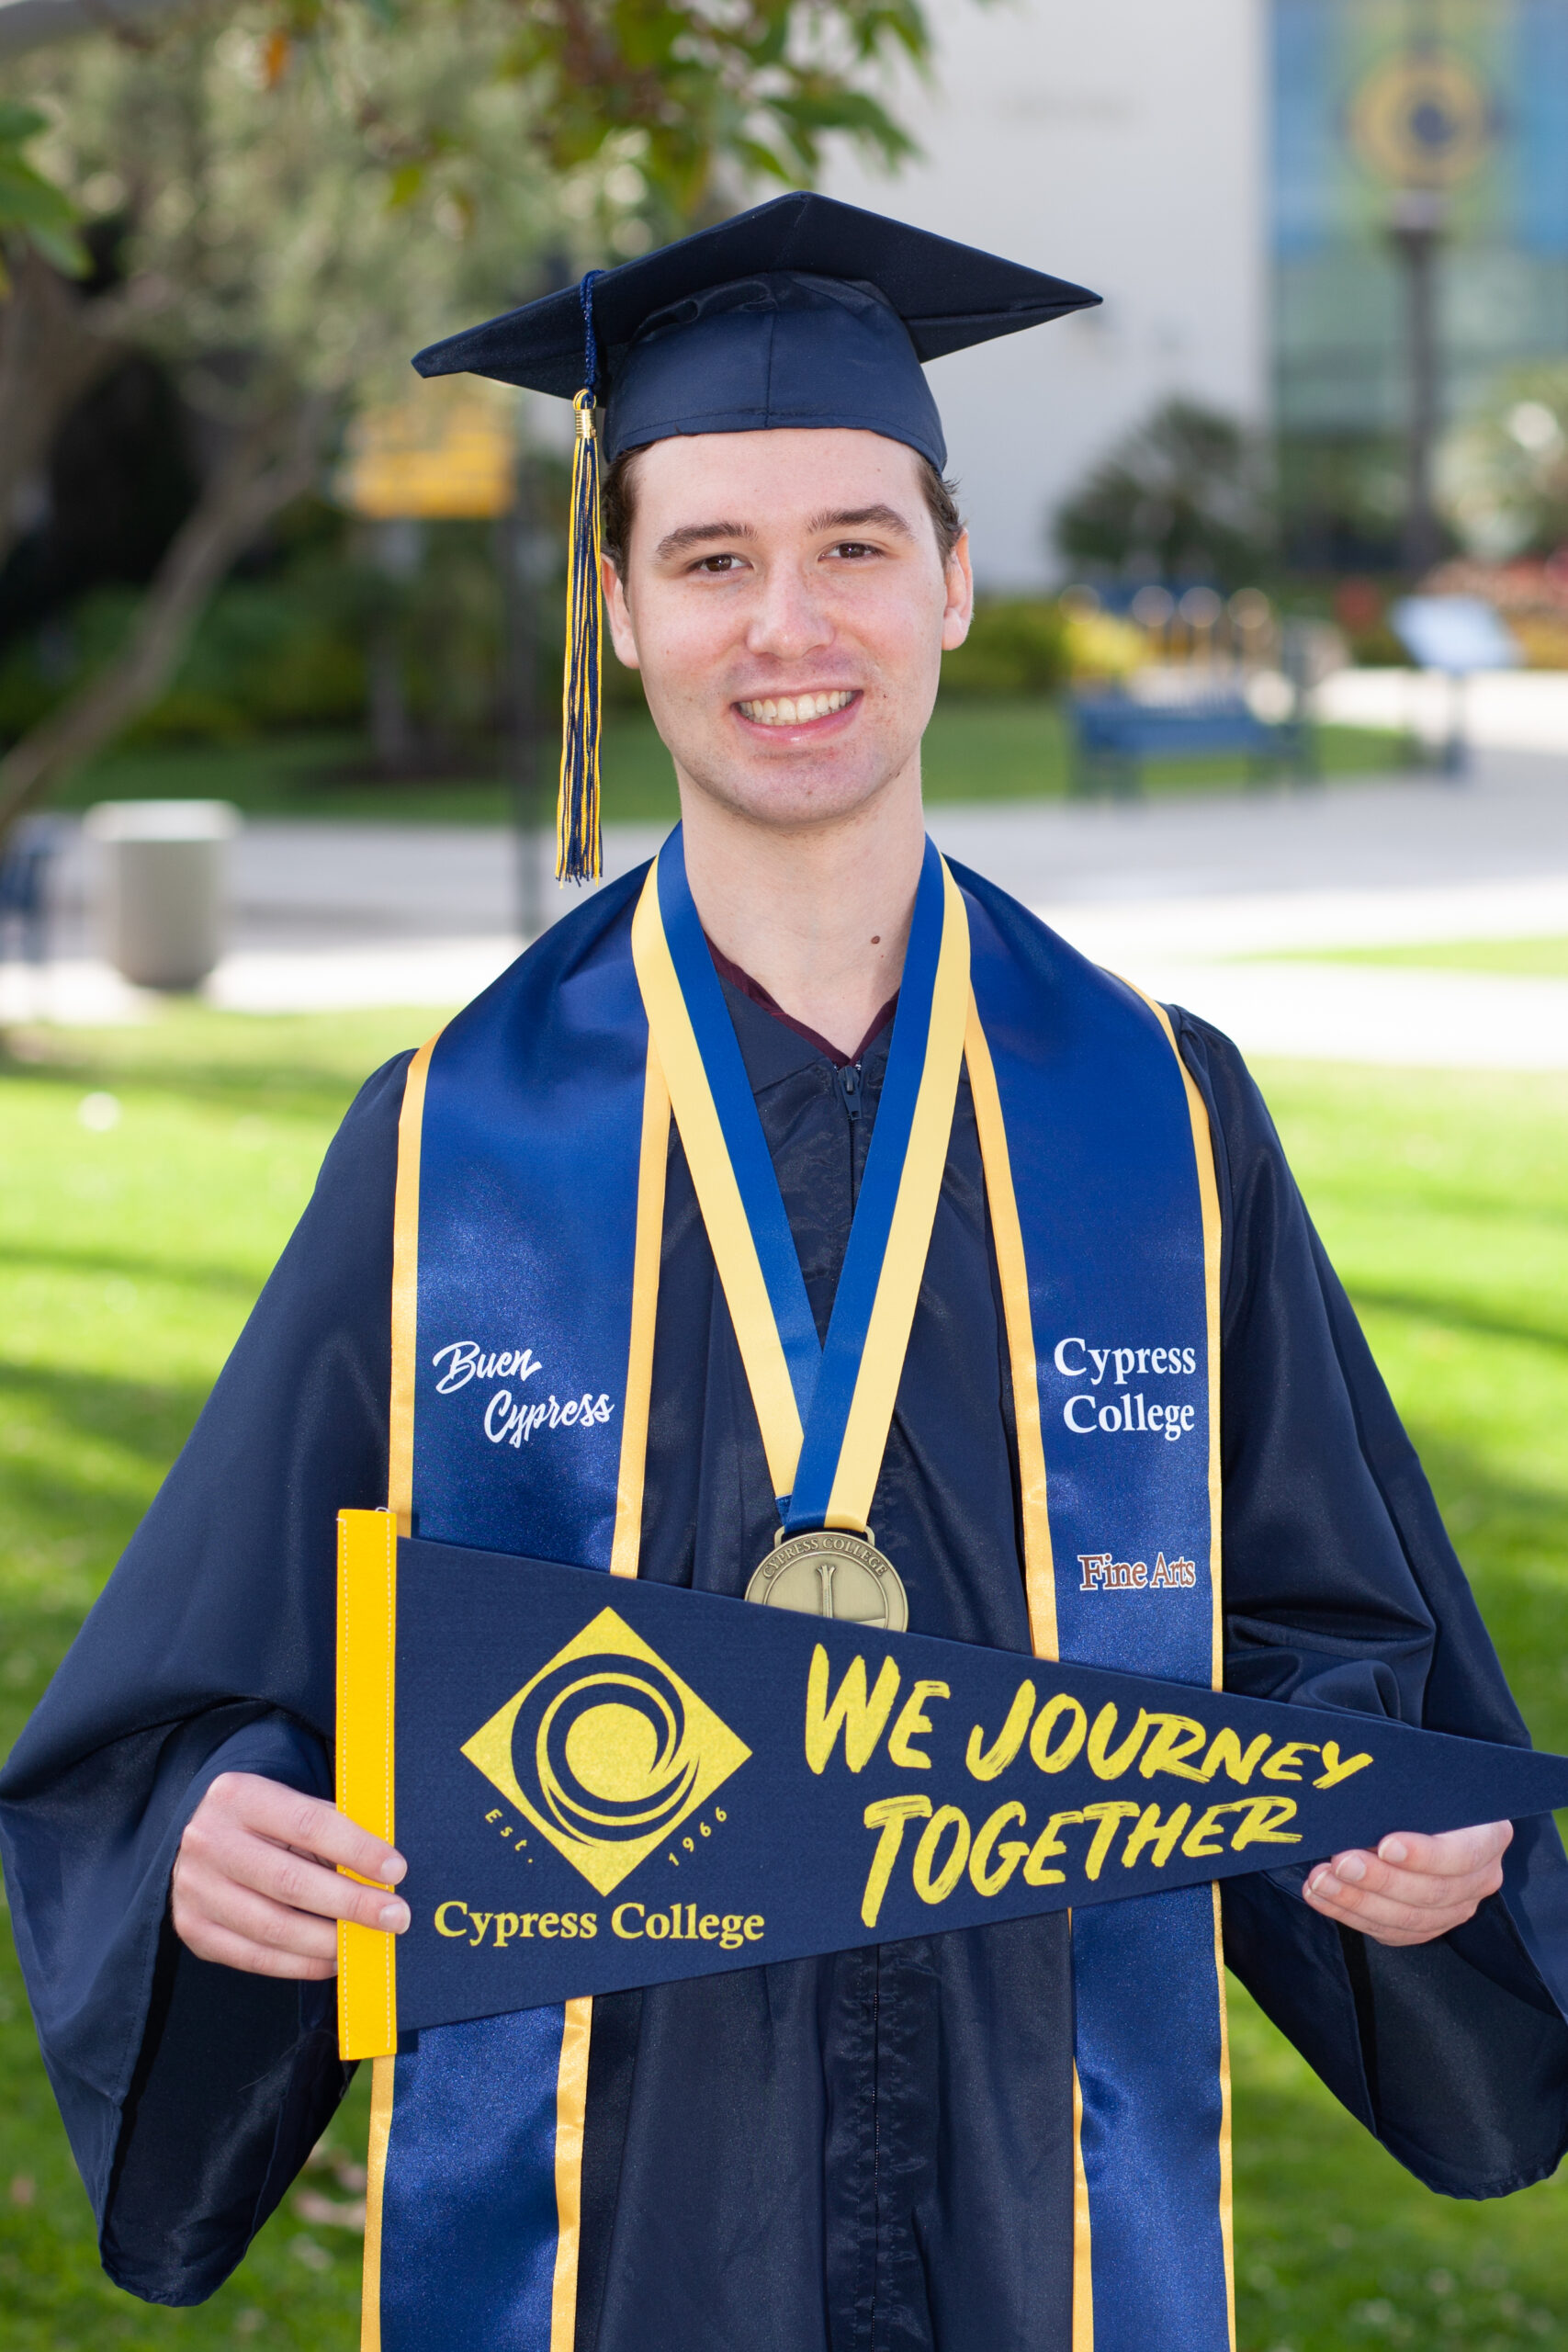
x: 974, y: 750
x: 1538, y: 959
x: 128, y: 1258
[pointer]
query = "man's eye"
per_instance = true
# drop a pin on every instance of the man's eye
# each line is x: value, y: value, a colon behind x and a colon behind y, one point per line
x: 719, y: 563
x: 853, y: 547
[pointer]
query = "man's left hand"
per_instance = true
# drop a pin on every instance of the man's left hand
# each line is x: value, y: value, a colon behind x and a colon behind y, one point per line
x: 1413, y: 1889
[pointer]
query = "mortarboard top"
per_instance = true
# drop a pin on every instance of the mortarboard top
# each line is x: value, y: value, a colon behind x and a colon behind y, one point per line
x: 802, y: 312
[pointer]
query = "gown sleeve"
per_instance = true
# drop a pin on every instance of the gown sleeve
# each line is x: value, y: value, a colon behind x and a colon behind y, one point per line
x: 192, y: 2093
x: 1342, y: 1590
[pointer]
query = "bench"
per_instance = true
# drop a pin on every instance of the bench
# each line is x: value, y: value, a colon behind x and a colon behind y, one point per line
x: 1113, y: 735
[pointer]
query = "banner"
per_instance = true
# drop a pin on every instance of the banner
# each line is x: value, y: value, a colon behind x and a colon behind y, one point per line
x: 600, y: 1782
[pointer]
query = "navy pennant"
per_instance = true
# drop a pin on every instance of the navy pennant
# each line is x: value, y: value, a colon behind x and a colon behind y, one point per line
x: 606, y: 1785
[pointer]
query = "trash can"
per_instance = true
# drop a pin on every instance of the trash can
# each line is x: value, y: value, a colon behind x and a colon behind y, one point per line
x: 162, y: 875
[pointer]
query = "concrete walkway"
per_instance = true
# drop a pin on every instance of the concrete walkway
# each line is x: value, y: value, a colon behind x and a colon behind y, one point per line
x: 1173, y: 893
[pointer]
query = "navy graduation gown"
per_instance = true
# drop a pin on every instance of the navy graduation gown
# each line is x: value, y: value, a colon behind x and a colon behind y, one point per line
x: 780, y: 2155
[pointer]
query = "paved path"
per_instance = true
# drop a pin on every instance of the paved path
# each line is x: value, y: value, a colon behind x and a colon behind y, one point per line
x: 1171, y: 892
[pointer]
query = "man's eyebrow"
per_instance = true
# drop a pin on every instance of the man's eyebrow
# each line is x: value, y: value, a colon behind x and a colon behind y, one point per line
x: 693, y: 535
x: 852, y: 518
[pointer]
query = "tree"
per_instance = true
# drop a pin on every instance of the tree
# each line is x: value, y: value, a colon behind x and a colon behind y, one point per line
x: 298, y: 200
x: 1183, y: 497
x: 50, y: 352
x: 1502, y: 472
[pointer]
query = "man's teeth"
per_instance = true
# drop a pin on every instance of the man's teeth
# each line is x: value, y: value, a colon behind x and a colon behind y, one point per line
x: 794, y: 710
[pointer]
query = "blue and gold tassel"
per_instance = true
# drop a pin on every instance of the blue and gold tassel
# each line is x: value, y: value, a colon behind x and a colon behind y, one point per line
x: 577, y: 808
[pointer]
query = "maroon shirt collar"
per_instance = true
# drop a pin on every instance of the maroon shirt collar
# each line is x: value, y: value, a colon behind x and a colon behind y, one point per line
x: 759, y: 995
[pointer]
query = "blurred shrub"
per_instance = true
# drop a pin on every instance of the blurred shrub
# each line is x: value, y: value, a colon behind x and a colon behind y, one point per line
x: 279, y: 653
x: 1017, y: 645
x: 1037, y: 645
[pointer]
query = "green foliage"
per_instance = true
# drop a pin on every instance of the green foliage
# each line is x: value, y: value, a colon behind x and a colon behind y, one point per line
x: 318, y: 186
x: 268, y: 654
x: 1184, y: 497
x: 302, y: 192
x: 1502, y: 471
x: 1016, y: 645
x: 687, y: 90
x: 30, y: 204
x: 127, y: 1261
x: 290, y: 647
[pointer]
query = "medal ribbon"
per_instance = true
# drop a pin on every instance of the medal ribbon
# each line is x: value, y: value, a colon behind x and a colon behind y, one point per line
x: 824, y: 1408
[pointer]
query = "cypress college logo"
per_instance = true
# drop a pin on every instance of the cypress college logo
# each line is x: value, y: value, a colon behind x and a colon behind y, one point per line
x: 606, y: 1750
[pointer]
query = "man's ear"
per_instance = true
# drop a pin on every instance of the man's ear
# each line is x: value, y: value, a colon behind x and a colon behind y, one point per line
x: 960, y: 584
x: 623, y: 637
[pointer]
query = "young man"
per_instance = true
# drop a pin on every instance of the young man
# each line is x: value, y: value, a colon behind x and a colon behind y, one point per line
x: 1014, y: 2136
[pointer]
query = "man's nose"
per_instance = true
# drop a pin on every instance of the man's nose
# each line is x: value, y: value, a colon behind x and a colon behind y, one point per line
x: 790, y: 617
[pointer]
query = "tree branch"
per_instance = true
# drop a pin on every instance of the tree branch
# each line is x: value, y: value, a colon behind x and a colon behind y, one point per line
x: 272, y: 465
x: 52, y: 348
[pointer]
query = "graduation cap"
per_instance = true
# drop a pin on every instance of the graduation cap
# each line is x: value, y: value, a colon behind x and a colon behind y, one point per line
x: 802, y: 312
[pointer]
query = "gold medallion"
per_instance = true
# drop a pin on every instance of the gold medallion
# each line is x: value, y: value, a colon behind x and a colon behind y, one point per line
x: 832, y: 1574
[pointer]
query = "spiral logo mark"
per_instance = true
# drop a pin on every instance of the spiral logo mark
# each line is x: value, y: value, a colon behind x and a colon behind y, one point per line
x: 606, y: 1750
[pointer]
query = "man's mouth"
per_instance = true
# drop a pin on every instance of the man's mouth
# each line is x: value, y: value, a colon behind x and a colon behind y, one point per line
x: 796, y: 710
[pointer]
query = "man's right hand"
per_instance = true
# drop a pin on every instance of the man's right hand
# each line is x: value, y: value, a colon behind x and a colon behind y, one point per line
x: 256, y: 1883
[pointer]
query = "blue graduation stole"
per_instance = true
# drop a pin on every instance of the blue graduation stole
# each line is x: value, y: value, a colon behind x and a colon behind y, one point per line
x: 529, y: 1223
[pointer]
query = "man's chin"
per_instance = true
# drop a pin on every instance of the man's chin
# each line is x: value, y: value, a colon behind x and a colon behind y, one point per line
x: 787, y: 797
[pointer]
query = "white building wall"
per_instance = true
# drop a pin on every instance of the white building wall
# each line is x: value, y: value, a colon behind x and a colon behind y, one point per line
x: 1119, y: 143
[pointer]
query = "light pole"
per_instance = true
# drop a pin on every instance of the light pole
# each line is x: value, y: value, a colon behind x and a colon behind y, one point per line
x: 1418, y: 220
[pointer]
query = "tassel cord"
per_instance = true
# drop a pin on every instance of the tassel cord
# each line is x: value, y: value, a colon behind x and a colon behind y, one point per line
x: 576, y: 803
x: 577, y: 807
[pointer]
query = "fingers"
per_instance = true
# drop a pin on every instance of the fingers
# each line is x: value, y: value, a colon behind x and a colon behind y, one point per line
x: 215, y: 1863
x: 1453, y: 1854
x: 1414, y: 1888
x: 270, y: 1809
x: 248, y: 1890
x: 231, y: 1948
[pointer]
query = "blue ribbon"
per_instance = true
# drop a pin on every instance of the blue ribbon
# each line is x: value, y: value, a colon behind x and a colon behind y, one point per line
x: 822, y: 1376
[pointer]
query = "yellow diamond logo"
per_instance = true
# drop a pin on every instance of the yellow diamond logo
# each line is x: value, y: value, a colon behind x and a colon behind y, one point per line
x: 606, y: 1750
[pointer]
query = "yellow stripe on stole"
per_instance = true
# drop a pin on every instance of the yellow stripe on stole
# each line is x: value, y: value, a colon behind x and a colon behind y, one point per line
x: 571, y: 2115
x: 1083, y: 2249
x: 392, y: 1522
x: 719, y: 1195
x: 366, y: 1636
x: 571, y: 2080
x: 381, y: 2084
x: 908, y: 1239
x: 652, y: 1164
x: 405, y: 1289
x: 1209, y: 1203
x: 1227, y: 2216
x: 1007, y: 1234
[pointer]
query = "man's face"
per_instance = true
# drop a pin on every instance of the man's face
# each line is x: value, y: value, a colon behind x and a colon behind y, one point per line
x: 787, y: 604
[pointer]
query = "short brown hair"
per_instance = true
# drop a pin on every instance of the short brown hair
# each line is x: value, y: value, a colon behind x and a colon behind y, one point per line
x: 618, y: 507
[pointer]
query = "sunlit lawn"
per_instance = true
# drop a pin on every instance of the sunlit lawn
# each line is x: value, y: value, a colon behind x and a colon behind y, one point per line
x: 1538, y: 959
x: 128, y: 1258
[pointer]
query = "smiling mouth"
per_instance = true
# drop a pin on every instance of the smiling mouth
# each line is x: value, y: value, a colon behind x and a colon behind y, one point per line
x: 796, y: 710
